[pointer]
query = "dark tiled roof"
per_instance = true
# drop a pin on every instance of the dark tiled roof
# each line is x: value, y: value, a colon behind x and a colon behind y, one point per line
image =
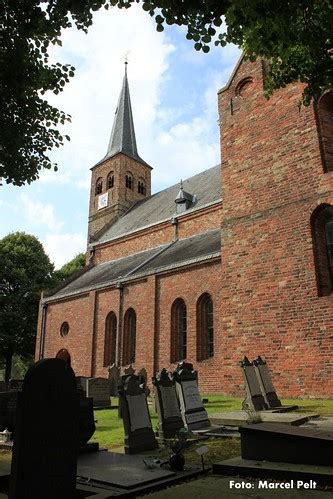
x: 206, y: 186
x: 123, y: 134
x: 175, y: 254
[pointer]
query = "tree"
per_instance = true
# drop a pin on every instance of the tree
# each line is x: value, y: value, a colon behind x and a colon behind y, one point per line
x: 70, y: 268
x: 25, y: 271
x: 295, y: 36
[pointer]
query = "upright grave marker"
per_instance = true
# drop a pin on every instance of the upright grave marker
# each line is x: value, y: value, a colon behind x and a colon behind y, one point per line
x: 266, y: 383
x: 254, y: 398
x: 167, y: 405
x: 114, y: 373
x: 46, y: 433
x: 192, y: 410
x: 139, y: 435
x: 99, y: 390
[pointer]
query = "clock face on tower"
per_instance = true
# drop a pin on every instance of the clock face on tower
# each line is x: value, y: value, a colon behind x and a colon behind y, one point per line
x: 102, y: 201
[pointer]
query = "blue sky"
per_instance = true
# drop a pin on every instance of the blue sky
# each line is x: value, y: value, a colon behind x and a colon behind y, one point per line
x: 173, y: 91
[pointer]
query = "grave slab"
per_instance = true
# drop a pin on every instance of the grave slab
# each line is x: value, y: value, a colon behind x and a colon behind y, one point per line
x: 240, y: 418
x: 283, y: 471
x: 285, y: 443
x: 167, y: 405
x: 99, y: 390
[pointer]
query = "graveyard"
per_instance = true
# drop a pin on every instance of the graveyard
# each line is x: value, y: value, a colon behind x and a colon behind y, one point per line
x: 72, y: 439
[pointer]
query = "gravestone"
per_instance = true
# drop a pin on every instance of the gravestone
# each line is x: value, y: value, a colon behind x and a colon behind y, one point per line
x: 114, y: 373
x: 167, y: 405
x: 193, y: 413
x: 86, y: 421
x: 139, y: 435
x: 127, y: 371
x: 46, y: 433
x: 254, y: 397
x: 81, y: 382
x: 266, y: 383
x: 8, y: 403
x: 99, y: 390
x: 15, y: 384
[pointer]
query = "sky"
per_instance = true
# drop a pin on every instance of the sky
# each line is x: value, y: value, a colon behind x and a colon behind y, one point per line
x: 173, y: 92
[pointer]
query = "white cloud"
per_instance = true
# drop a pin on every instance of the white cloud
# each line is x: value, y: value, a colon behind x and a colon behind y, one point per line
x: 61, y: 248
x: 37, y: 213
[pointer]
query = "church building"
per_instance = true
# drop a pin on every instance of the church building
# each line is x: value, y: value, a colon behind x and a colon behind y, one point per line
x: 236, y: 260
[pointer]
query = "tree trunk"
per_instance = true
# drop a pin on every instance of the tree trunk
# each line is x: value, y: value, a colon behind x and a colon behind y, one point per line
x: 8, y: 369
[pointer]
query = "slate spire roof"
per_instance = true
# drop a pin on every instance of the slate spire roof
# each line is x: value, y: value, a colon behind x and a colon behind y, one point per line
x: 122, y: 138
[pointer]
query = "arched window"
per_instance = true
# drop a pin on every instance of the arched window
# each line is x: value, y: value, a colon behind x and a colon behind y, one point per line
x: 141, y: 187
x: 99, y: 186
x: 110, y: 180
x: 110, y: 339
x: 178, y: 331
x: 129, y: 339
x: 322, y: 237
x: 325, y: 129
x: 129, y: 180
x: 205, y: 327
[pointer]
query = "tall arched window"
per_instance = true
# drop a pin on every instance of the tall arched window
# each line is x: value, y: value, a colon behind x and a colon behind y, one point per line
x: 110, y: 180
x: 178, y: 331
x: 141, y: 187
x: 129, y: 338
x: 205, y: 327
x: 322, y: 237
x: 325, y: 129
x: 129, y: 180
x: 110, y: 339
x: 99, y: 186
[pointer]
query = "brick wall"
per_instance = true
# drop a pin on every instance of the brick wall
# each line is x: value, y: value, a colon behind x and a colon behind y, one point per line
x: 273, y: 180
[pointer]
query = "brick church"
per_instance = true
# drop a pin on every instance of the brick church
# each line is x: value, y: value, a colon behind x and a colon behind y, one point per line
x: 236, y: 260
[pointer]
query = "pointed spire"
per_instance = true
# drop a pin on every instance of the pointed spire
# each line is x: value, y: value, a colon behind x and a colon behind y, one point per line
x: 123, y: 135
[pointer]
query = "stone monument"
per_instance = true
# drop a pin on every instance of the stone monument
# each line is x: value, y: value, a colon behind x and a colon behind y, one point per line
x: 192, y: 410
x: 167, y: 405
x: 139, y: 435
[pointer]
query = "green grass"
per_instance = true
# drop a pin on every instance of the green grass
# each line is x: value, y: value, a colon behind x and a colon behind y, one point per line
x: 110, y: 434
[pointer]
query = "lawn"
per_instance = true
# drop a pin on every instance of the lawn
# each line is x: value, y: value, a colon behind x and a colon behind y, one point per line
x: 110, y: 434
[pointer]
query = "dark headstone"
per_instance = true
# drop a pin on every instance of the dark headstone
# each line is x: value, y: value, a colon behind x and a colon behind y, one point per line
x: 114, y: 373
x: 167, y: 405
x: 254, y: 397
x: 277, y: 442
x: 139, y: 435
x: 81, y: 382
x: 86, y: 420
x: 8, y: 403
x: 266, y: 383
x: 192, y: 410
x: 46, y: 433
x: 15, y: 384
x: 99, y: 390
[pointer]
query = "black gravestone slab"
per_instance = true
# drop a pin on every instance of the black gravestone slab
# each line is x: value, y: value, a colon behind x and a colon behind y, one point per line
x: 278, y: 442
x: 139, y: 435
x: 120, y: 470
x: 46, y: 433
x: 254, y: 396
x: 266, y: 383
x: 167, y: 405
x: 86, y: 420
x: 8, y: 403
x: 191, y: 407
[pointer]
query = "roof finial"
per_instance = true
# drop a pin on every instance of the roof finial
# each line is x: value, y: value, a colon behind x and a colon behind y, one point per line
x: 181, y: 184
x: 126, y: 61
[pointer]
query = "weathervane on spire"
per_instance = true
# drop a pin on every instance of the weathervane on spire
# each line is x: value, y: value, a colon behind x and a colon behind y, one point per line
x: 126, y: 60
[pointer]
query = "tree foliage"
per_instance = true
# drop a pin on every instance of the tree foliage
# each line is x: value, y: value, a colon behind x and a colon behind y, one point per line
x: 296, y: 36
x: 25, y: 271
x: 70, y: 268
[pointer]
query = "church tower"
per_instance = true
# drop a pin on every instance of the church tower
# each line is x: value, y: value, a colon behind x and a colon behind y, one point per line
x: 121, y: 178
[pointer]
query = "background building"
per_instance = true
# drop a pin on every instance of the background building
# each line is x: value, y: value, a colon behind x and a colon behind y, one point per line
x: 234, y: 261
